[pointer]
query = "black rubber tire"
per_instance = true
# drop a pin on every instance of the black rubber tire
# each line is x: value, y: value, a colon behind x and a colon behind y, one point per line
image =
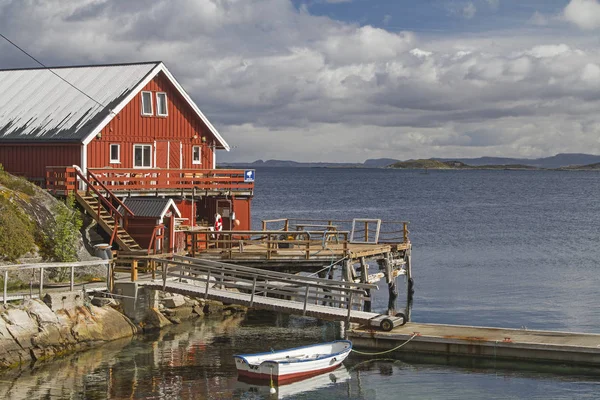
x: 386, y: 325
x: 401, y: 315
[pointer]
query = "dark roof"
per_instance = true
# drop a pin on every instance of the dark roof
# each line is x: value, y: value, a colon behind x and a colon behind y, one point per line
x: 147, y: 206
x: 35, y: 104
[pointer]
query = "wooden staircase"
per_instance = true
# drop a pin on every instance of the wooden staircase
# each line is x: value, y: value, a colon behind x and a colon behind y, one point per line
x: 92, y: 204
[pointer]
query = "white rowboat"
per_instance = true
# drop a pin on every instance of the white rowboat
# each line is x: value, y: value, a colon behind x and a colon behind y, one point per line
x: 291, y: 365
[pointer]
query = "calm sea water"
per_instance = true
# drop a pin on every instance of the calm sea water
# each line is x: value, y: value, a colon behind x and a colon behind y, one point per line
x: 490, y: 248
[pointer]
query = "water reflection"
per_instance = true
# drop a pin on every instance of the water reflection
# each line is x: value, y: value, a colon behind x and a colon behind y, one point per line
x: 247, y: 389
x: 195, y: 361
x: 59, y: 378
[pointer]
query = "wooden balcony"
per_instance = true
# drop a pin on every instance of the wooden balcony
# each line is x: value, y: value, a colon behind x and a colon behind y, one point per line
x: 140, y: 182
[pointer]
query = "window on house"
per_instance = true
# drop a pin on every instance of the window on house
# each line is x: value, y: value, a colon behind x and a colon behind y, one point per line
x: 147, y: 103
x: 115, y: 153
x: 161, y: 104
x: 196, y: 155
x: 142, y: 156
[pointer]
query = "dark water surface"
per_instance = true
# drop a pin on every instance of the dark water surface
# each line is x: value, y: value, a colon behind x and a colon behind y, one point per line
x: 490, y: 248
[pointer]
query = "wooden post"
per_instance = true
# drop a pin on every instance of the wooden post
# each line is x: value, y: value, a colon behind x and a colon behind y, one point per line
x: 109, y: 277
x: 366, y: 231
x: 153, y: 267
x: 307, y: 255
x: 134, y: 270
x: 5, y: 286
x: 391, y: 281
x: 305, y: 299
x: 405, y: 232
x: 286, y: 226
x: 207, y: 284
x: 72, y: 279
x: 253, y: 291
x: 264, y: 225
x: 41, y: 281
x: 364, y: 277
x: 410, y: 291
x: 165, y: 267
x: 349, y: 309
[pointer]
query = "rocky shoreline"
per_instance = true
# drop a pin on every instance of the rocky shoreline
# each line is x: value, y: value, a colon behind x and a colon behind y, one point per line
x: 67, y: 322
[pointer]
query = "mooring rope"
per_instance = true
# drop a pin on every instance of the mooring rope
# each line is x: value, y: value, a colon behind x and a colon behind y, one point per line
x: 387, y: 351
x: 329, y: 266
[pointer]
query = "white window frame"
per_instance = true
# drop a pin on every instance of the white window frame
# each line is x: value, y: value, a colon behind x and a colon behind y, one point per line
x: 199, y: 160
x: 151, y: 105
x: 142, y: 145
x: 118, y: 159
x: 158, y: 105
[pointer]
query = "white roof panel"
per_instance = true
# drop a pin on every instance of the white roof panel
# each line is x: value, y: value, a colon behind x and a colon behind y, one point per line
x: 35, y: 104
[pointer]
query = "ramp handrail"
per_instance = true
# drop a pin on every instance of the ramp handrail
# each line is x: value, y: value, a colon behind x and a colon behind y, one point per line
x: 257, y: 282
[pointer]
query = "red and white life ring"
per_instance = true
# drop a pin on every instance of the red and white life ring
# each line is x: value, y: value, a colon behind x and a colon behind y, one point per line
x: 218, y: 222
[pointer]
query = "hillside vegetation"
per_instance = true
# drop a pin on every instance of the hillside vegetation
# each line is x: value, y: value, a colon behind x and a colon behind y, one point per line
x: 421, y: 164
x: 34, y: 223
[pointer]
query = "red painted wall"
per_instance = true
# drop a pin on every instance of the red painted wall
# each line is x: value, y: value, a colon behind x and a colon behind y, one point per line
x: 30, y: 159
x: 241, y: 207
x: 130, y: 127
x: 141, y: 230
x: 187, y: 210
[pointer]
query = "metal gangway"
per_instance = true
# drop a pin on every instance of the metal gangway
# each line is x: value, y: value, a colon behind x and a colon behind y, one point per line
x: 325, y: 299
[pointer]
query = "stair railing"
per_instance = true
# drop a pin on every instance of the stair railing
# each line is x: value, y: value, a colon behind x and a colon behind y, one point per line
x: 117, y: 217
x: 153, y: 247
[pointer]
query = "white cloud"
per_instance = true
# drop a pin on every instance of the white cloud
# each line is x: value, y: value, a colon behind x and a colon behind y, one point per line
x: 538, y: 19
x: 551, y: 50
x: 583, y: 13
x: 279, y: 82
x: 469, y: 10
x: 494, y: 4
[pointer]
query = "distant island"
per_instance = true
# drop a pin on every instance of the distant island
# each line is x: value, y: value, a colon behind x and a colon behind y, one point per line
x: 563, y: 161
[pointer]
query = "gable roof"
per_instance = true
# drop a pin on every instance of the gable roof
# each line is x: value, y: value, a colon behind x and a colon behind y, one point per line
x: 37, y: 105
x: 150, y: 207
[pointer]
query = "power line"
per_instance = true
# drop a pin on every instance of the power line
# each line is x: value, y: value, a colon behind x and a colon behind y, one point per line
x: 48, y: 68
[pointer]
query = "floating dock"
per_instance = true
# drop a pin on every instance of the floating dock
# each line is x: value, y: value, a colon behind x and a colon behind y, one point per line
x: 494, y: 343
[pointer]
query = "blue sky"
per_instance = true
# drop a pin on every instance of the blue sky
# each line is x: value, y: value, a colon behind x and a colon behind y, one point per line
x: 435, y: 15
x: 335, y: 80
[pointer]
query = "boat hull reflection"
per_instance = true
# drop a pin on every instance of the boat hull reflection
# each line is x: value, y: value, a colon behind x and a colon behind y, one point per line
x: 260, y: 387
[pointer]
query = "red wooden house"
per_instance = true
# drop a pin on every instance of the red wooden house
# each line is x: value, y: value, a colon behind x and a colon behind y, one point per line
x: 113, y: 131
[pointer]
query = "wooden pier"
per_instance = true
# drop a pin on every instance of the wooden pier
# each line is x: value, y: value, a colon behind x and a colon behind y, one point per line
x: 480, y: 342
x: 321, y: 246
x: 324, y: 299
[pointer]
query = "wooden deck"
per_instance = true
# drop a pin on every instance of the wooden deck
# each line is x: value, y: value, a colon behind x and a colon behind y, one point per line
x: 483, y: 342
x: 154, y: 181
x: 318, y: 252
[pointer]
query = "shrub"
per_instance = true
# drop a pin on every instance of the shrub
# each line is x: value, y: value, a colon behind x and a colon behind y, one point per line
x: 61, y: 234
x: 16, y: 231
x: 16, y: 183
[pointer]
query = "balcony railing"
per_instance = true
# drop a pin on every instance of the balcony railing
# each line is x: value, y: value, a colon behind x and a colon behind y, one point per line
x: 61, y: 180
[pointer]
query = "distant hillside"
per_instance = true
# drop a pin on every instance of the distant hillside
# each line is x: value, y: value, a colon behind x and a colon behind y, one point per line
x: 595, y: 166
x: 421, y: 164
x: 580, y: 161
x: 379, y: 162
x: 557, y: 161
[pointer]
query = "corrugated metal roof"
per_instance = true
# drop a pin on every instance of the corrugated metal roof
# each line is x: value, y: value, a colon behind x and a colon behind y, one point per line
x: 36, y: 104
x: 148, y: 207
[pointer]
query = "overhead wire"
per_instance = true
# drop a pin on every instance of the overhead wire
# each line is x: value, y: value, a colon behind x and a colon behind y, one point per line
x: 49, y: 69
